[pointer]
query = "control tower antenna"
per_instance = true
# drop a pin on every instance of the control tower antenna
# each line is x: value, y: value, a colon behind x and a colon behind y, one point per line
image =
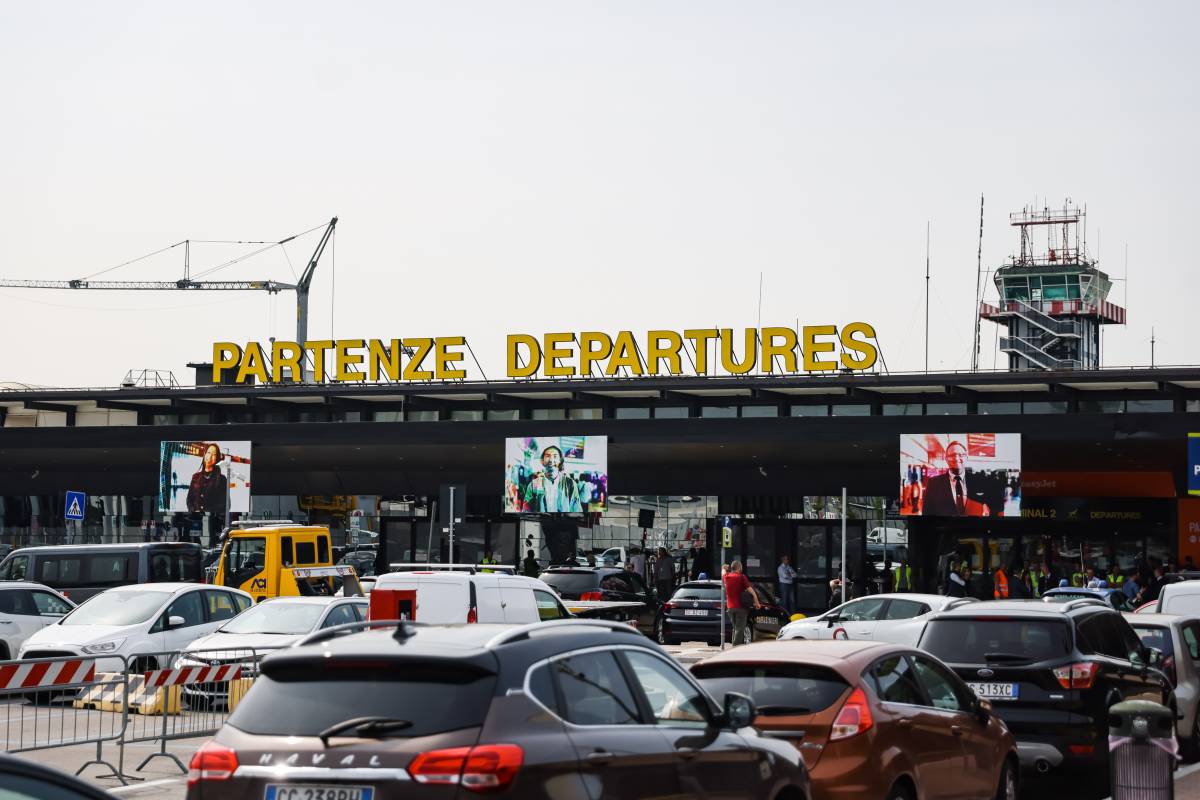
x: 978, y: 286
x: 1052, y: 302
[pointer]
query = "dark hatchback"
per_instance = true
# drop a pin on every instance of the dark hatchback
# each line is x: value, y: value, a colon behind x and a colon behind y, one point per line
x: 694, y: 614
x: 568, y: 709
x: 1051, y: 672
x: 605, y: 583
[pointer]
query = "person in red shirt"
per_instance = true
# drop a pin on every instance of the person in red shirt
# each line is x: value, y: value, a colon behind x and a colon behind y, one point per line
x: 735, y: 583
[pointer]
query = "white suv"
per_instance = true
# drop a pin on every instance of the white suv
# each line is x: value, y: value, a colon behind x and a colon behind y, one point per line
x: 26, y: 608
x: 141, y: 622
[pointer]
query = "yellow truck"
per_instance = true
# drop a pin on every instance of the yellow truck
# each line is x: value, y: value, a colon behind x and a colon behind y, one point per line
x: 281, y: 560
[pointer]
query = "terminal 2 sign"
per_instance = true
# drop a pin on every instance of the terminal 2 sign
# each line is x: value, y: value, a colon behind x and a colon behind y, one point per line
x: 812, y: 348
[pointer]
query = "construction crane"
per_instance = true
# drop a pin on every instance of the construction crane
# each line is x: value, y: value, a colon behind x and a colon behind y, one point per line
x: 301, y: 286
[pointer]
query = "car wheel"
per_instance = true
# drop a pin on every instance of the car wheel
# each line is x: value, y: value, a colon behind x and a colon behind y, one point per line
x: 1007, y: 789
x: 660, y: 631
x: 749, y: 634
x: 1190, y: 747
x: 143, y: 664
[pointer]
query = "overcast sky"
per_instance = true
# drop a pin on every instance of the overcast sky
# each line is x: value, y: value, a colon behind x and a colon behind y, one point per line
x: 508, y: 167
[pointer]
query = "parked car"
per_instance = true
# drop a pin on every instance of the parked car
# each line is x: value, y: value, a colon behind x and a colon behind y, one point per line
x: 898, y: 618
x: 694, y: 614
x: 26, y: 608
x: 1051, y: 671
x: 872, y: 719
x: 363, y: 561
x: 82, y: 570
x: 1113, y: 597
x: 447, y: 594
x: 270, y: 625
x: 605, y: 583
x: 141, y: 623
x: 568, y: 709
x: 24, y: 779
x: 1179, y: 598
x: 1178, y: 639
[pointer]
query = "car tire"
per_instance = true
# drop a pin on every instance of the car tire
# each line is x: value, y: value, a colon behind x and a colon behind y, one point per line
x: 143, y: 664
x: 899, y: 791
x: 749, y: 634
x: 660, y: 632
x: 1008, y: 787
x: 1189, y: 748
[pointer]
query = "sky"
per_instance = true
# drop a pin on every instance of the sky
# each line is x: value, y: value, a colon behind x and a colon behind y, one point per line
x: 571, y: 166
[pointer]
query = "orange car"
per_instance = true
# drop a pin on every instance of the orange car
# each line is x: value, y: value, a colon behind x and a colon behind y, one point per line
x: 872, y: 719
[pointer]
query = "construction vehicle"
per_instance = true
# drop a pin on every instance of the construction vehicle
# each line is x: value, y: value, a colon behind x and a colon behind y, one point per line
x: 282, y: 559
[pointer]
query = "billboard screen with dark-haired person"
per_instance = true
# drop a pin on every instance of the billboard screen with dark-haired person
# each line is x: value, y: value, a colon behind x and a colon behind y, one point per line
x: 960, y: 474
x: 204, y: 477
x: 555, y: 474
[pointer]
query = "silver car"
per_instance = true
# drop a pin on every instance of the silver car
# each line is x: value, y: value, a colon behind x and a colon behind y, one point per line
x: 1178, y: 638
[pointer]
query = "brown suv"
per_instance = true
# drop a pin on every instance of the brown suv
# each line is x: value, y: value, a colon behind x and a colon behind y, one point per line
x: 872, y: 719
x: 565, y: 709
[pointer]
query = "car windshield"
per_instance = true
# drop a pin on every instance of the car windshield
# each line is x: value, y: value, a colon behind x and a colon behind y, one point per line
x: 1158, y: 638
x: 437, y: 698
x: 996, y: 639
x: 572, y: 582
x: 117, y: 608
x: 276, y: 617
x: 774, y: 688
x: 698, y: 593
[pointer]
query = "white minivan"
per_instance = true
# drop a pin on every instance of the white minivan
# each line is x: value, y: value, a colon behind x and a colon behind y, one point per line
x: 456, y: 594
x: 142, y: 623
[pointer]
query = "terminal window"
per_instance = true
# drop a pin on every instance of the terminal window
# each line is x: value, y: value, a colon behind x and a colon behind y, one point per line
x: 850, y: 410
x: 760, y: 411
x: 633, y: 413
x: 671, y: 412
x: 1000, y: 408
x: 810, y: 411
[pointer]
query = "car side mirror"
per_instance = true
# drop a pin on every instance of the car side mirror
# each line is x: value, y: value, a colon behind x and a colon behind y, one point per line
x: 176, y: 622
x: 1154, y: 657
x: 739, y: 711
x: 830, y: 620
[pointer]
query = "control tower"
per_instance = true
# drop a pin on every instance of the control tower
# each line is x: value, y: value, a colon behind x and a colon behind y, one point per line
x: 1054, y: 302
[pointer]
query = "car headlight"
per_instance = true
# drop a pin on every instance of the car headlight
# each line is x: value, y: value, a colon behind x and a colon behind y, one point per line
x: 111, y: 646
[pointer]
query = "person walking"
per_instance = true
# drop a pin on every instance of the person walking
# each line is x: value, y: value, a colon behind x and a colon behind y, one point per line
x: 787, y: 581
x: 737, y: 586
x: 956, y: 586
x: 530, y: 567
x: 664, y: 575
x: 1000, y: 582
x: 637, y: 563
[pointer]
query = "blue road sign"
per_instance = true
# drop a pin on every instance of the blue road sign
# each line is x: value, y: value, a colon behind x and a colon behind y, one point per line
x: 1194, y: 464
x: 76, y: 502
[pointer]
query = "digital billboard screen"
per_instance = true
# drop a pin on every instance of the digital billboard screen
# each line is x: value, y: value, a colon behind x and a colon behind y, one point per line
x: 960, y: 474
x: 199, y: 477
x: 555, y: 474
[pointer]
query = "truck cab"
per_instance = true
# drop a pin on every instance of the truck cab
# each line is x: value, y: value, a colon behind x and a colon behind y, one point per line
x: 281, y: 560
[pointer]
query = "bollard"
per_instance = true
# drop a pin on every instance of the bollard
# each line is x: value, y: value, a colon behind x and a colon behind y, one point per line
x: 1142, y: 751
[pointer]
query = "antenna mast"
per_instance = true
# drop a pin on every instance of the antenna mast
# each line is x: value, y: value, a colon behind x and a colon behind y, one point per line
x: 927, y: 296
x: 978, y: 286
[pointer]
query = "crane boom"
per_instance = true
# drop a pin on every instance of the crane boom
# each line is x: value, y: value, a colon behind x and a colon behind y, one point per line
x: 182, y: 283
x: 301, y: 287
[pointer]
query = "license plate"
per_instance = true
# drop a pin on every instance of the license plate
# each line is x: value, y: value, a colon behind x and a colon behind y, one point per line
x: 309, y: 791
x: 996, y: 691
x: 695, y: 612
x: 765, y: 620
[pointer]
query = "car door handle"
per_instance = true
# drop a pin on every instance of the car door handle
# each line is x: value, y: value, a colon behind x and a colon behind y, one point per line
x: 687, y: 753
x: 956, y: 730
x: 904, y: 723
x: 599, y: 757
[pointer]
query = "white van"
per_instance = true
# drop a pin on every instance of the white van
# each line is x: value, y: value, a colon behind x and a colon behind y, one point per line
x: 1179, y: 598
x: 451, y: 593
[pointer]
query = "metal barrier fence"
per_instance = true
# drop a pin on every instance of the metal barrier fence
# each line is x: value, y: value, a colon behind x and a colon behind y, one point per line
x: 67, y: 701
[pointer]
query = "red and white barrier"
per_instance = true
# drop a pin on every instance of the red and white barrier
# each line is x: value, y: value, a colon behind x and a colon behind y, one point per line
x: 39, y: 674
x: 185, y: 675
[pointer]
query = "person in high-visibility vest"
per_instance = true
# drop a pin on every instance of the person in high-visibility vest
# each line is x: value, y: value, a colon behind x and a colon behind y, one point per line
x: 490, y: 558
x: 1115, y: 579
x: 902, y: 579
x: 1077, y: 579
x: 1000, y: 579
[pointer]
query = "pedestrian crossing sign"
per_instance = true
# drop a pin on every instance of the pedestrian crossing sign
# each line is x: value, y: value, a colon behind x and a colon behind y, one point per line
x: 75, y: 505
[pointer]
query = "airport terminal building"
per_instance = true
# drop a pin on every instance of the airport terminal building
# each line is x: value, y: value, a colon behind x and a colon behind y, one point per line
x: 1100, y: 471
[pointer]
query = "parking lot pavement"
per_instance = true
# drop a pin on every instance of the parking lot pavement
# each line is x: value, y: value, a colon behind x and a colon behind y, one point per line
x: 691, y: 652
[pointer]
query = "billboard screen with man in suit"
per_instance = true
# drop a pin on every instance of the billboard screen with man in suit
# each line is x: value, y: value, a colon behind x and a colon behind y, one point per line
x: 960, y: 474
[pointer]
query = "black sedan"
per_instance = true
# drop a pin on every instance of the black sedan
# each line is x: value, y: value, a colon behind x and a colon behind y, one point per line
x: 694, y: 614
x: 605, y: 583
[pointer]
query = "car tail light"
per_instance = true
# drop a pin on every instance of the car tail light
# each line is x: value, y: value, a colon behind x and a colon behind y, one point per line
x: 667, y: 606
x: 592, y: 596
x: 212, y: 762
x: 1081, y: 749
x: 1080, y: 675
x: 854, y: 718
x: 472, y: 614
x: 482, y: 768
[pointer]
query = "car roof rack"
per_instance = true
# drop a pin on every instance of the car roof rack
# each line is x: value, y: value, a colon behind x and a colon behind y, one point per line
x: 959, y: 601
x: 523, y: 631
x: 469, y: 568
x: 325, y: 634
